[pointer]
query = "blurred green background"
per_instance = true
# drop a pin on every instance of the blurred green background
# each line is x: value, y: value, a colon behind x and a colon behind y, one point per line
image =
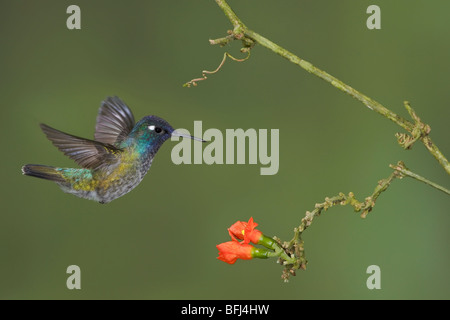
x: 158, y: 242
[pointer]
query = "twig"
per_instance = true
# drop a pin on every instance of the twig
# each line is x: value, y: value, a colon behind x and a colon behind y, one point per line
x: 296, y: 245
x: 400, y: 167
x: 241, y: 32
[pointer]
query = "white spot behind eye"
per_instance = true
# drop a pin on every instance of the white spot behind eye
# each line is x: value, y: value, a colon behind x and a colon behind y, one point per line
x: 151, y: 127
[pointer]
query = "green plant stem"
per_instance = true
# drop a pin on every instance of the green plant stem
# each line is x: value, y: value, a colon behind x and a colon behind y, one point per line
x: 406, y: 172
x: 295, y: 247
x: 241, y: 32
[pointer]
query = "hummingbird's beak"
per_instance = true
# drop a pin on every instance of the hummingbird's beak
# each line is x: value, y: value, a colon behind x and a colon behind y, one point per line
x: 179, y: 134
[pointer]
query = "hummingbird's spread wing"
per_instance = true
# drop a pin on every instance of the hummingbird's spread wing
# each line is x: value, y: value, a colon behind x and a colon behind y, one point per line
x: 114, y: 121
x: 87, y: 153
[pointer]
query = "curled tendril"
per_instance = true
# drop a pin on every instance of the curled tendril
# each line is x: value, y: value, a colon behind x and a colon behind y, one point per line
x: 193, y: 82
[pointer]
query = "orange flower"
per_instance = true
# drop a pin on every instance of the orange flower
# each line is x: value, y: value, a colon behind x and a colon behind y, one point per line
x: 246, y: 231
x: 230, y: 251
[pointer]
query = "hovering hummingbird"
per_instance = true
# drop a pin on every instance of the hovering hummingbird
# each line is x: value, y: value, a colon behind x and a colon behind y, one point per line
x: 114, y: 162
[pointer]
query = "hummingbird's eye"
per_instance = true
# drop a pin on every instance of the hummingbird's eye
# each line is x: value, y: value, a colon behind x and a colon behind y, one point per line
x: 156, y: 129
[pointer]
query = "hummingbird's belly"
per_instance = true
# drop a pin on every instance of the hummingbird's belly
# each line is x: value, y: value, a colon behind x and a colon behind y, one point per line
x: 120, y: 181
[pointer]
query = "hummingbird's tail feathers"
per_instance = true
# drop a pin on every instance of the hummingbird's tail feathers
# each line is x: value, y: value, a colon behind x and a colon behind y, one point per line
x: 87, y: 153
x: 43, y: 172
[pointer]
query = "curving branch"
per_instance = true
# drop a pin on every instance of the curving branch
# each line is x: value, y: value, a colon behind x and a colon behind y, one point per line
x: 417, y: 130
x: 295, y: 247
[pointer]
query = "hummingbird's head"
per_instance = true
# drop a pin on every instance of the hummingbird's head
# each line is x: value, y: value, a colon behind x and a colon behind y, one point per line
x: 153, y: 131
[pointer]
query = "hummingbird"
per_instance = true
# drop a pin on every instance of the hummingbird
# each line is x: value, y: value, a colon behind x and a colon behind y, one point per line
x: 112, y: 164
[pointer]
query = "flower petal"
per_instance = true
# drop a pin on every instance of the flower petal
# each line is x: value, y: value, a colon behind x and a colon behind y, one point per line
x: 230, y: 251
